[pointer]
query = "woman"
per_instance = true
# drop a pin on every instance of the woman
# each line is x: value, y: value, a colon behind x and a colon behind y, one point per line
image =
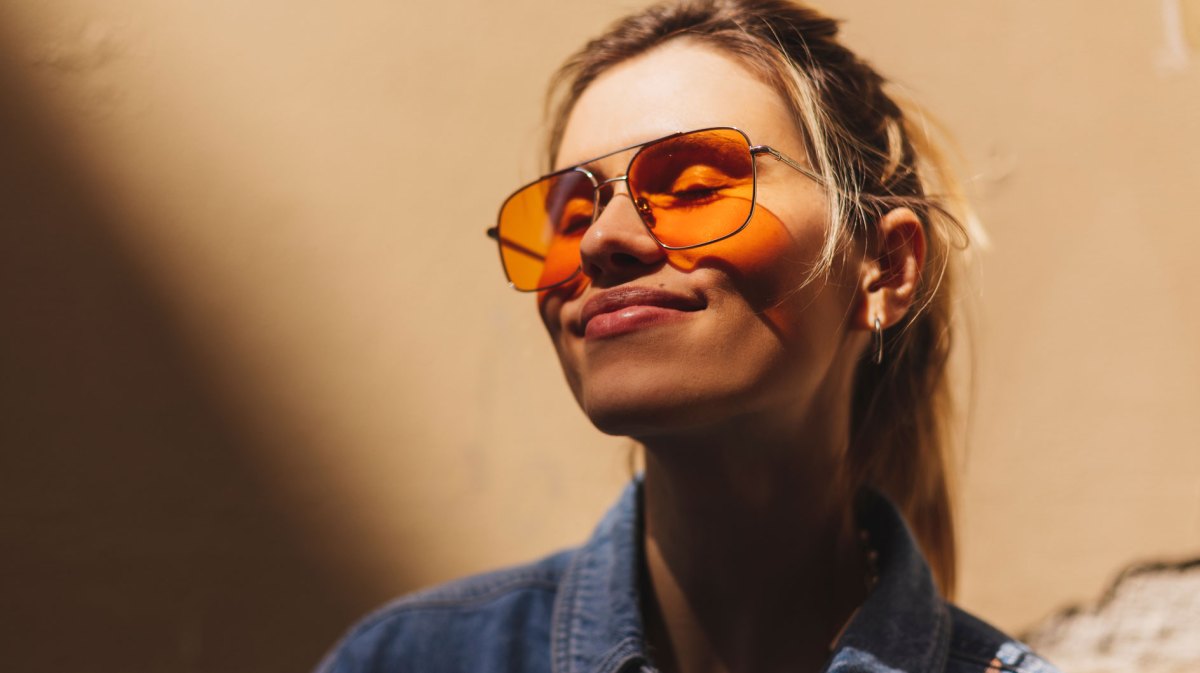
x: 743, y: 254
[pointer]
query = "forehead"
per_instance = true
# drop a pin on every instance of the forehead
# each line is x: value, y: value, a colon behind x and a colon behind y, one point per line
x: 681, y: 85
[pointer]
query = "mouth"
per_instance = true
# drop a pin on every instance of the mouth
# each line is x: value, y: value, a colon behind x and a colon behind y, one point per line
x: 626, y: 309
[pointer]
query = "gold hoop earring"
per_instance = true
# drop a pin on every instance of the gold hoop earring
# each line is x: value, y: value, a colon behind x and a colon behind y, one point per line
x: 878, y: 342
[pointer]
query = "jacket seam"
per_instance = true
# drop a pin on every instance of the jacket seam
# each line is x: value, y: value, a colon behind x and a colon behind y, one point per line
x: 992, y: 664
x: 480, y: 585
x: 563, y: 613
x: 942, y: 635
x: 474, y: 598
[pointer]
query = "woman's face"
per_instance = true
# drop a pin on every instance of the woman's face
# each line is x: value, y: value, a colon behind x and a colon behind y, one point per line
x: 656, y: 343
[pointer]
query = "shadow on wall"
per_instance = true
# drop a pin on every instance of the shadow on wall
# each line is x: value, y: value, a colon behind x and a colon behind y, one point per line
x: 137, y: 535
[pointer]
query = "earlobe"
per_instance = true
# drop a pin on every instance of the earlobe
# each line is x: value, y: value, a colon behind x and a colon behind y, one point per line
x: 892, y: 271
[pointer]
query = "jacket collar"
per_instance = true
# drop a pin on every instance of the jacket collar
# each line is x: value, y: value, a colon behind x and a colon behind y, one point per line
x: 597, y: 623
x: 903, y: 627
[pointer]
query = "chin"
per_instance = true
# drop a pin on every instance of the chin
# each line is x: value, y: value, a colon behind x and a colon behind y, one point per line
x: 643, y: 423
x: 652, y: 408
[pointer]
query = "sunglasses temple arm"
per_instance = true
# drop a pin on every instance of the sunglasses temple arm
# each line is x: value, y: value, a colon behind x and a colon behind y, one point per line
x: 494, y: 234
x: 761, y: 149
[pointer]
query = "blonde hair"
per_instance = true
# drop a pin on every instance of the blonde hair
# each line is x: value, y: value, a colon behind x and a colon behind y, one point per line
x: 875, y: 154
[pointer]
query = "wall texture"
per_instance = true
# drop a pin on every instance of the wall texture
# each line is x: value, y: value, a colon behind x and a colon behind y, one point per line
x: 259, y: 372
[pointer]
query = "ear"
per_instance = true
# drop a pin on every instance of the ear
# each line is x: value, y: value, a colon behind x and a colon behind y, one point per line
x: 888, y: 281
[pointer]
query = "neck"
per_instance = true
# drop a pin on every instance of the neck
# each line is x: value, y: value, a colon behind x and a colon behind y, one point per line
x: 752, y: 553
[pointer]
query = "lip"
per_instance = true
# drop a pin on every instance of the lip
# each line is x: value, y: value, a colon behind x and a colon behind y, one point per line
x: 625, y: 309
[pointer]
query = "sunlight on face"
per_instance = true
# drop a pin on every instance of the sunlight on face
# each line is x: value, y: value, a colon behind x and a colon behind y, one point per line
x: 714, y: 332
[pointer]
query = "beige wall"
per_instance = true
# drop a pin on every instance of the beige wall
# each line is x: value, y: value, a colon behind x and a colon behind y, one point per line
x: 260, y: 372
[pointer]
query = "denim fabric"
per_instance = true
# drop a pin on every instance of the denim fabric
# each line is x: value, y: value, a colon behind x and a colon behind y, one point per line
x: 577, y: 612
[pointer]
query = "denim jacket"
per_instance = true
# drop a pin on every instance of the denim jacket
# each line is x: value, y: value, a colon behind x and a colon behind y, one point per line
x: 577, y: 611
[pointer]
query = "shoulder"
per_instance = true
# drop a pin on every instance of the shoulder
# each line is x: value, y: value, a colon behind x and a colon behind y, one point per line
x: 472, y: 624
x: 979, y: 647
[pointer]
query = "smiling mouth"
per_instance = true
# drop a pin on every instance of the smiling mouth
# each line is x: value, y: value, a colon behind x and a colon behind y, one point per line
x: 626, y: 309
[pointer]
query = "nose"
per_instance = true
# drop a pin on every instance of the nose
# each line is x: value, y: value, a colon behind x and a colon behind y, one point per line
x: 617, y: 246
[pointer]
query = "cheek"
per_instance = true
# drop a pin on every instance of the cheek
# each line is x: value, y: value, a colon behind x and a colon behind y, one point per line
x: 562, y: 259
x: 550, y: 305
x: 550, y: 302
x: 766, y: 261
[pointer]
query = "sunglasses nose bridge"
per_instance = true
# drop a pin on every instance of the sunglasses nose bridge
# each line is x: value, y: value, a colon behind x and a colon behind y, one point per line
x: 606, y: 189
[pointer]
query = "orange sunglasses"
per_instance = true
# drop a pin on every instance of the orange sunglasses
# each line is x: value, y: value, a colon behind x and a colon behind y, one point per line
x: 689, y: 189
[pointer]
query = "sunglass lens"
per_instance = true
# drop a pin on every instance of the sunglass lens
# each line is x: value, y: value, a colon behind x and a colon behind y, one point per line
x: 540, y: 227
x: 694, y: 188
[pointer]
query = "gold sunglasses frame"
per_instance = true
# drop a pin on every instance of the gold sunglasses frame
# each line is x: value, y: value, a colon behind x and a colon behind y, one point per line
x: 597, y: 185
